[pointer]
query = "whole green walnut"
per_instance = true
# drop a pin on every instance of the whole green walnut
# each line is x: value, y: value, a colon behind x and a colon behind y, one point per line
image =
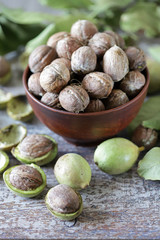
x: 73, y: 170
x: 5, y: 71
x: 116, y: 155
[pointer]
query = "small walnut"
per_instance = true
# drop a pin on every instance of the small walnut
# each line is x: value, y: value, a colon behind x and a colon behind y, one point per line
x: 98, y: 84
x: 41, y: 57
x: 83, y: 60
x: 25, y: 178
x: 83, y: 30
x: 51, y: 99
x: 34, y: 146
x: 145, y: 137
x: 115, y: 99
x: 66, y: 61
x: 132, y: 83
x: 66, y: 46
x: 95, y: 105
x: 74, y: 98
x: 136, y: 58
x: 54, y: 77
x: 34, y: 84
x: 115, y: 63
x: 100, y: 43
x: 4, y: 67
x: 118, y: 39
x: 52, y: 41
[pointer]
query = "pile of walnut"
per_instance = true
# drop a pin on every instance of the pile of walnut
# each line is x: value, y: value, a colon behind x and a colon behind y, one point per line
x: 86, y: 70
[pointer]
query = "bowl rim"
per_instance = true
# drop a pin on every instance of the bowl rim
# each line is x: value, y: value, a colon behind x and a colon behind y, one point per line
x: 119, y: 108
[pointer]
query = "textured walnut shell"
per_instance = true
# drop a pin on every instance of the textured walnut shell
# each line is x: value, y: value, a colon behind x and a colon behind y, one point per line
x: 115, y: 63
x: 83, y: 60
x: 132, y: 83
x: 50, y: 99
x: 98, y: 84
x: 52, y: 41
x: 100, y: 43
x: 34, y: 146
x: 66, y: 61
x: 54, y: 77
x: 41, y: 57
x: 115, y: 99
x: 4, y: 67
x: 118, y: 39
x: 95, y: 105
x: 66, y: 46
x: 136, y: 58
x: 25, y: 178
x: 34, y: 84
x: 145, y: 137
x: 83, y: 30
x: 74, y: 98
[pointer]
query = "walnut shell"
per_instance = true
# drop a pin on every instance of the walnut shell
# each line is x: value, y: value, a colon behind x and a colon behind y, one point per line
x: 83, y: 60
x: 74, y: 98
x: 52, y: 41
x: 115, y: 99
x: 115, y: 63
x: 95, y: 105
x: 66, y: 61
x: 100, y: 43
x: 132, y: 83
x: 50, y: 99
x: 118, y: 39
x: 41, y: 57
x: 54, y: 77
x: 34, y: 84
x: 66, y: 46
x: 136, y: 58
x: 83, y: 30
x: 25, y: 178
x: 98, y: 84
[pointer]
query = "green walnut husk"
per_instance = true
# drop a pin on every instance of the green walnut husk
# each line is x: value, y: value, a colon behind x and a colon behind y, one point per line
x: 65, y: 216
x: 4, y: 161
x: 11, y: 135
x: 116, y: 155
x: 5, y: 79
x: 73, y: 170
x: 154, y: 71
x: 23, y: 193
x: 5, y: 97
x: 42, y: 160
x: 19, y: 109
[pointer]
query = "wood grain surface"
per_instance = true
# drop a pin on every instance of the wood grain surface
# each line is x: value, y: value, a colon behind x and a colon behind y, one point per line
x: 115, y: 207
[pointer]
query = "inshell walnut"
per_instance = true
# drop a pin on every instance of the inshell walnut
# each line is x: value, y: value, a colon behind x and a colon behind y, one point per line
x: 52, y: 41
x: 83, y: 30
x: 95, y: 105
x: 136, y: 58
x: 98, y: 84
x: 100, y: 43
x: 66, y: 61
x: 25, y: 178
x: 83, y: 60
x: 115, y: 63
x: 132, y: 83
x: 74, y: 98
x: 66, y: 46
x: 41, y: 57
x: 34, y: 84
x: 115, y: 99
x: 54, y: 77
x: 118, y: 39
x: 51, y: 99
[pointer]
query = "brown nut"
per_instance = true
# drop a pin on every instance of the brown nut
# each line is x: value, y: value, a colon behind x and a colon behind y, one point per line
x: 145, y: 137
x: 115, y: 99
x: 132, y: 83
x: 100, y: 43
x: 83, y: 30
x: 54, y: 77
x: 52, y: 41
x: 41, y: 57
x: 66, y: 61
x: 4, y: 67
x: 136, y: 58
x: 83, y: 60
x: 95, y: 105
x: 98, y: 84
x: 74, y: 98
x: 25, y: 178
x: 34, y: 84
x: 118, y: 39
x: 51, y: 99
x: 66, y: 46
x: 115, y: 63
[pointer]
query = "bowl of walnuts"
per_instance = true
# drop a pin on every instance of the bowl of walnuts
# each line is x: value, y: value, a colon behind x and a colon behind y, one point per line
x: 86, y: 85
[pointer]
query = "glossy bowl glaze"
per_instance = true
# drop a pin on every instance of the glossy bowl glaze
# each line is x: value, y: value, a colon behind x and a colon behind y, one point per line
x: 86, y: 128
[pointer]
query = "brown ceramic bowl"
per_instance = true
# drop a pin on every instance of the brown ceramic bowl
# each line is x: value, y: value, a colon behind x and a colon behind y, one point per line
x: 86, y: 128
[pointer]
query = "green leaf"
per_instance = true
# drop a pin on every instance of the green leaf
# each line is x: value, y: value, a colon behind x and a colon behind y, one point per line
x: 149, y: 166
x: 150, y: 109
x: 155, y: 52
x: 153, y: 123
x: 142, y: 16
x: 67, y: 3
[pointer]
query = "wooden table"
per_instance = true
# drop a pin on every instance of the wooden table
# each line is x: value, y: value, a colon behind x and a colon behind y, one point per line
x: 124, y: 206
